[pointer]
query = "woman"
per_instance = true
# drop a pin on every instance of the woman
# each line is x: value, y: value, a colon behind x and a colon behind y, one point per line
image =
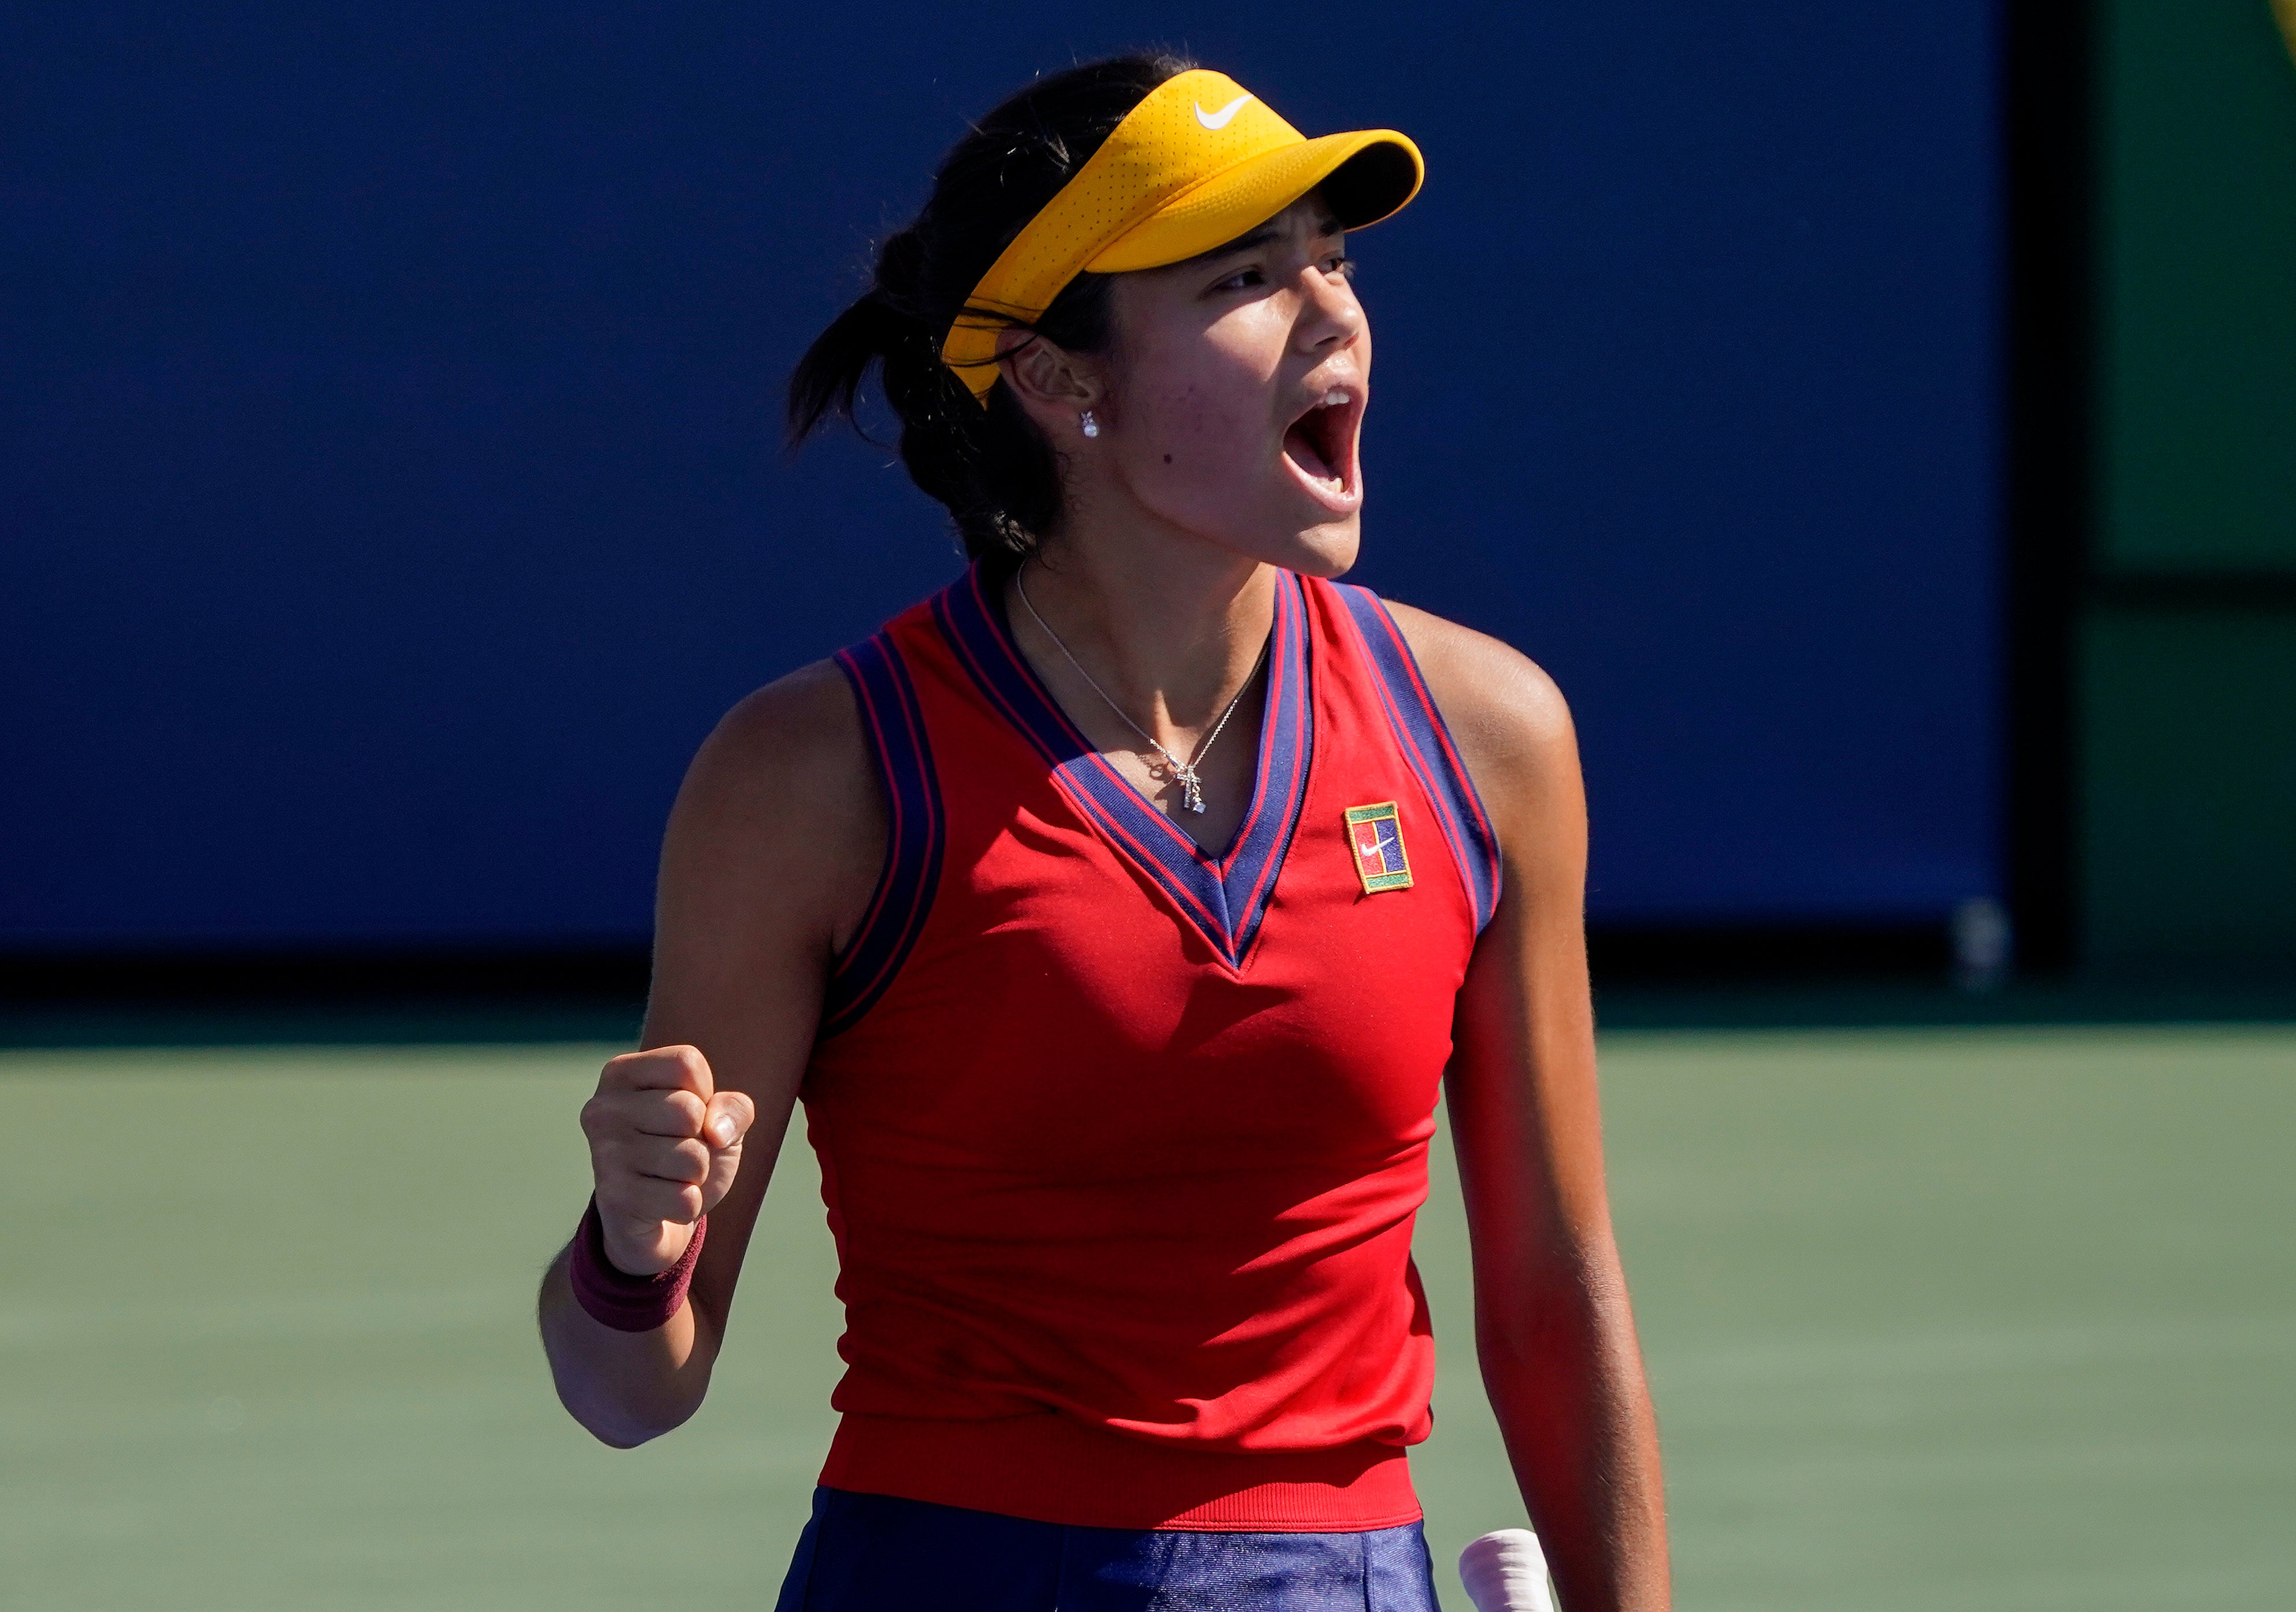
x: 1114, y: 914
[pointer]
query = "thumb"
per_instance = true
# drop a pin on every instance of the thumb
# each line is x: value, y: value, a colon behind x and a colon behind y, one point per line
x: 728, y: 1119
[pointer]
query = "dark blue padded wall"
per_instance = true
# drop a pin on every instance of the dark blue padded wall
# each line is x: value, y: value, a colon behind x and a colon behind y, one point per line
x: 391, y: 500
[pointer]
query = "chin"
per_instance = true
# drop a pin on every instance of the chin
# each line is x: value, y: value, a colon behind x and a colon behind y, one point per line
x: 1324, y: 548
x: 1324, y: 551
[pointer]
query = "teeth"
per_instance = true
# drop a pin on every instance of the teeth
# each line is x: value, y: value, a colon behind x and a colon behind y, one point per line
x: 1334, y: 398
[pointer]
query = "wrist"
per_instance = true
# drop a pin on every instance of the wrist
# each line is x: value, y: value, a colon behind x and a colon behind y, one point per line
x: 635, y: 1248
x: 614, y: 1297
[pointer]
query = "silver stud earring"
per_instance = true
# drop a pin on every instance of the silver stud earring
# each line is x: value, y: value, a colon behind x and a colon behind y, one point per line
x: 1091, y: 426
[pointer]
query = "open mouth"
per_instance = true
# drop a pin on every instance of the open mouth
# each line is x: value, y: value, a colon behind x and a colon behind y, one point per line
x: 1321, y: 446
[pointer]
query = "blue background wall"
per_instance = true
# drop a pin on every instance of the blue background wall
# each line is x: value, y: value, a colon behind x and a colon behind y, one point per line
x: 388, y: 463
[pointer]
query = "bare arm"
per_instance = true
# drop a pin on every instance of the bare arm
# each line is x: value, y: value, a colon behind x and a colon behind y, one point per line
x: 1552, y: 1325
x: 769, y: 860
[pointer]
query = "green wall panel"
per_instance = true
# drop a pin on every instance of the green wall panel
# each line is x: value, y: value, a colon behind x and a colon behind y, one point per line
x: 2189, y: 823
x: 2198, y: 190
x: 2188, y: 694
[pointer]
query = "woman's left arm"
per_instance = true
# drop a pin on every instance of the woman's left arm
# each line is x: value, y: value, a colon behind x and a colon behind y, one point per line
x: 1553, y: 1329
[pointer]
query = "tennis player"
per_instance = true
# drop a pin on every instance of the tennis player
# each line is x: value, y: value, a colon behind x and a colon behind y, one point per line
x: 1115, y: 914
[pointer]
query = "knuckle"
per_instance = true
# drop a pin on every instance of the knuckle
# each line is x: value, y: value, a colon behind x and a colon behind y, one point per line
x: 604, y: 1117
x: 695, y: 1068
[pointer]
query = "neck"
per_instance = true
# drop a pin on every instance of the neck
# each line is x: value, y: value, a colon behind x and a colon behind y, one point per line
x: 1168, y: 625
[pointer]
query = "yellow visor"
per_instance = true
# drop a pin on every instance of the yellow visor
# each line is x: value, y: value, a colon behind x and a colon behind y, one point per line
x: 1196, y: 164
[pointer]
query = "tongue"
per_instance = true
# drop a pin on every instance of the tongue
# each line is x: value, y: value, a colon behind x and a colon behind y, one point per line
x: 1300, y: 443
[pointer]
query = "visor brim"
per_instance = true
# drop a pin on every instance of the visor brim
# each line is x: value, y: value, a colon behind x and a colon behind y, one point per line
x: 1365, y: 176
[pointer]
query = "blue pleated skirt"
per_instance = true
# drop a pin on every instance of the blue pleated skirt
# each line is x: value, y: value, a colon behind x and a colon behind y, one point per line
x: 874, y: 1554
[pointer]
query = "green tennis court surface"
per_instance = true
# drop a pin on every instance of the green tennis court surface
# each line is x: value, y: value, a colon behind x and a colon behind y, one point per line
x: 1937, y: 1319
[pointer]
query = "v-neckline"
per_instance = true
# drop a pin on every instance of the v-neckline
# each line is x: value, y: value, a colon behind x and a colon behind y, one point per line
x: 1002, y: 619
x: 1226, y: 896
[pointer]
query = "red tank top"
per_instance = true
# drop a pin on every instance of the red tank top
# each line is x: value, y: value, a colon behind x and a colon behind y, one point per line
x: 1122, y: 1142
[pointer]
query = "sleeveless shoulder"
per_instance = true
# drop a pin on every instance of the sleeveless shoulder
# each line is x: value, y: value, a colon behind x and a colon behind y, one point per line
x: 1424, y: 738
x: 915, y: 823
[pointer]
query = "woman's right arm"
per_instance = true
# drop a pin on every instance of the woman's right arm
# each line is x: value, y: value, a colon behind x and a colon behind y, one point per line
x: 772, y: 853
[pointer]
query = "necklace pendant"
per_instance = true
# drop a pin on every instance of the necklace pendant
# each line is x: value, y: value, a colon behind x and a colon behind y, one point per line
x: 1192, y: 793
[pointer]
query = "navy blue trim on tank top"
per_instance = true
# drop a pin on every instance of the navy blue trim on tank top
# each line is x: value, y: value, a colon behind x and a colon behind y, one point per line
x: 914, y: 832
x: 1426, y: 748
x: 1223, y: 898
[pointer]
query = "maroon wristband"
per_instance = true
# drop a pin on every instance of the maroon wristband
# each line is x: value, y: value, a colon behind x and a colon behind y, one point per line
x: 613, y: 1297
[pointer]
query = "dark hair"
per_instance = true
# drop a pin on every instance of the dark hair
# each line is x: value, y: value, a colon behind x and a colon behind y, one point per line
x: 992, y: 467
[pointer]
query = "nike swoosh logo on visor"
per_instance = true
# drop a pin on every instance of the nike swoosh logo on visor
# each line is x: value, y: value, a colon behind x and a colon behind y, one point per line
x: 1220, y: 119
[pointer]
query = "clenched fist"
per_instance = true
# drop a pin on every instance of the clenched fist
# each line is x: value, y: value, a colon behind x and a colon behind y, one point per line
x: 664, y: 1148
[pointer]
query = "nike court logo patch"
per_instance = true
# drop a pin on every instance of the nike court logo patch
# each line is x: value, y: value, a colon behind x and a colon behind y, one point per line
x: 1220, y: 119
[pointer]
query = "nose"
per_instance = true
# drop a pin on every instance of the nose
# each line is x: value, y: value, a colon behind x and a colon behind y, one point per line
x: 1330, y: 316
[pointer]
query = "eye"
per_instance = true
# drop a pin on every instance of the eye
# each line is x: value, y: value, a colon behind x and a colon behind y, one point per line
x: 1341, y: 265
x: 1242, y: 280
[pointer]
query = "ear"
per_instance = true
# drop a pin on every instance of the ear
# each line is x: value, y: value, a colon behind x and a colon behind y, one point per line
x: 1055, y: 385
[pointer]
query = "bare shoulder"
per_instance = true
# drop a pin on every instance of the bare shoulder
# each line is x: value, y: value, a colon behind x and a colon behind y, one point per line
x: 782, y: 798
x: 799, y: 731
x: 1511, y: 722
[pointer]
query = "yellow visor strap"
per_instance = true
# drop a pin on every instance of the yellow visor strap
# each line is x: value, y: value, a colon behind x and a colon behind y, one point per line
x: 1196, y: 164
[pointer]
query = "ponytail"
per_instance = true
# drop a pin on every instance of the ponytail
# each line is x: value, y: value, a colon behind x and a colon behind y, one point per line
x: 991, y: 468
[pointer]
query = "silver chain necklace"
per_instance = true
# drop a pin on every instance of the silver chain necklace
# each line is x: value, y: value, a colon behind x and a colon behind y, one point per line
x: 1180, y: 772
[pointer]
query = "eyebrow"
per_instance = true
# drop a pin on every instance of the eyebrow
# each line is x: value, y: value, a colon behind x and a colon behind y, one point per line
x: 1264, y: 235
